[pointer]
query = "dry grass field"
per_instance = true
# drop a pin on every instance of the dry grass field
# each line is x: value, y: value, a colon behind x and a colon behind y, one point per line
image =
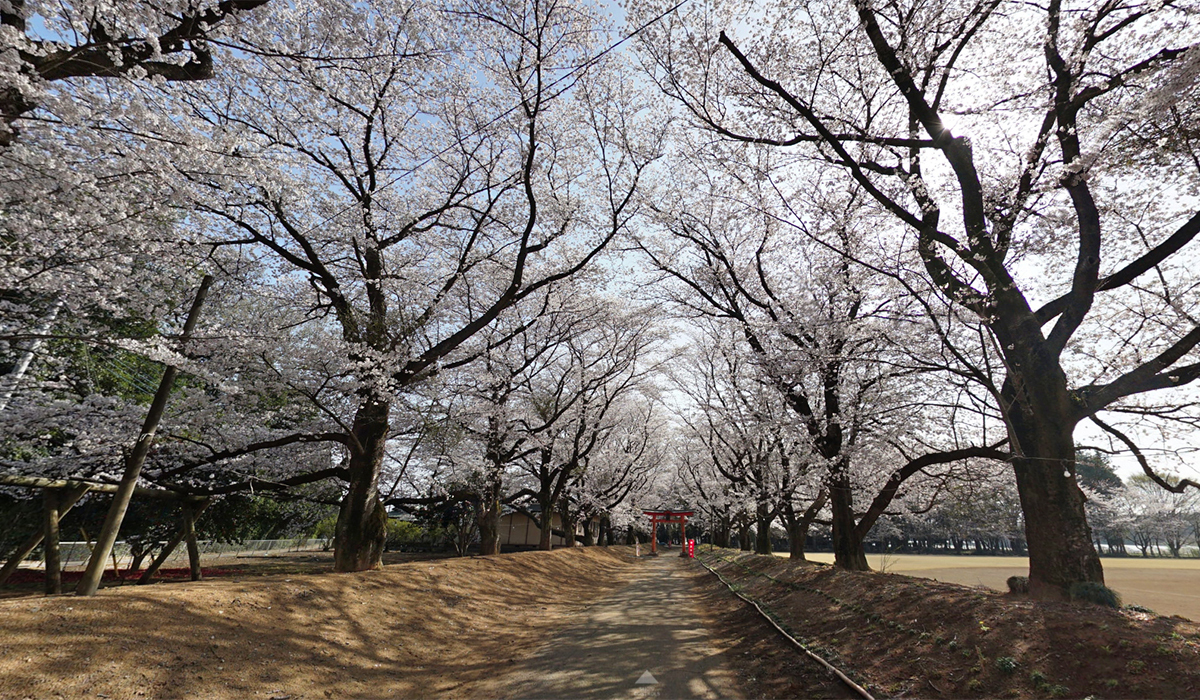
x: 1167, y: 586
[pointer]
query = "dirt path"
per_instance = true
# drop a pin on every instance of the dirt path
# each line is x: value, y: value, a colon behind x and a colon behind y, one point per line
x: 582, y: 623
x: 646, y: 640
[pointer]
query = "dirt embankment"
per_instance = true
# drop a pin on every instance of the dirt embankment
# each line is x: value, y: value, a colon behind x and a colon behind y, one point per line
x: 911, y: 637
x: 420, y: 629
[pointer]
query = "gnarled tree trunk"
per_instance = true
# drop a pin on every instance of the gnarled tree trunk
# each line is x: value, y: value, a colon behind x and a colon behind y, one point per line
x: 848, y: 552
x: 362, y: 521
x: 589, y: 532
x: 762, y: 539
x: 489, y: 524
x: 1042, y: 430
x: 568, y: 524
x: 799, y: 525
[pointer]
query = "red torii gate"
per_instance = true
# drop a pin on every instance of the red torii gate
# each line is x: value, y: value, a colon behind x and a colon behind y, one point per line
x: 666, y: 517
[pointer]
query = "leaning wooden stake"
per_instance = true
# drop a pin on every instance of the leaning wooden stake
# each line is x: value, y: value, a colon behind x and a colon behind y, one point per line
x: 170, y: 546
x: 53, y: 560
x: 133, y: 466
x: 66, y: 501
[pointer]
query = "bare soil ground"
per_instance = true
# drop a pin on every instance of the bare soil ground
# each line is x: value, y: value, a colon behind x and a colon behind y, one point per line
x: 420, y: 629
x: 1167, y: 586
x: 912, y: 637
x: 767, y: 666
x: 450, y: 628
x: 676, y: 622
x: 29, y: 581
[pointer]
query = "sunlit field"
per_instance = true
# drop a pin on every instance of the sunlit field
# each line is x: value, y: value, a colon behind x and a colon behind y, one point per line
x: 1167, y: 586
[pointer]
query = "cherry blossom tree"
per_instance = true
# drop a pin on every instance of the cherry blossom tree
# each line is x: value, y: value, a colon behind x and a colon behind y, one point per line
x: 501, y: 415
x: 835, y: 344
x: 592, y: 437
x: 1019, y: 159
x: 748, y: 440
x: 465, y: 159
x: 48, y: 42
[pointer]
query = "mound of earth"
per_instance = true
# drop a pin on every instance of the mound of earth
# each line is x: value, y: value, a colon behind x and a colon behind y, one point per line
x: 420, y: 629
x: 110, y: 578
x: 902, y: 636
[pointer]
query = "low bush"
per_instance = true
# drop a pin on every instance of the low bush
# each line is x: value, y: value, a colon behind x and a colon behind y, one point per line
x: 1092, y: 592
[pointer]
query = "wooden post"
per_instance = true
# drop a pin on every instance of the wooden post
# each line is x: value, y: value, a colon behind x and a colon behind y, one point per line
x: 133, y: 466
x: 66, y: 501
x: 51, y: 501
x: 161, y: 558
x: 170, y: 547
x: 653, y: 536
x: 189, y: 534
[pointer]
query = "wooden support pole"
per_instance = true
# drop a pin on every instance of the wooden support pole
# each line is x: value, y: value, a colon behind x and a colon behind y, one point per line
x: 66, y: 501
x: 37, y: 482
x: 162, y: 557
x: 189, y: 534
x: 51, y: 506
x: 170, y: 547
x: 116, y: 567
x: 133, y: 465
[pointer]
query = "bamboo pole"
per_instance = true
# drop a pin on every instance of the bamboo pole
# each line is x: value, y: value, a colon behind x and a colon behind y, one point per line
x: 133, y: 466
x: 38, y: 482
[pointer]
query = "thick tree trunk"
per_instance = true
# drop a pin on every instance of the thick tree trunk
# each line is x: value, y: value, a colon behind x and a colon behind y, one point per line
x: 1056, y: 529
x: 848, y: 552
x: 605, y: 530
x: 489, y: 514
x: 546, y: 534
x: 568, y: 525
x: 171, y: 545
x: 762, y: 540
x: 139, y: 556
x: 489, y: 502
x: 798, y: 527
x: 362, y: 521
x: 797, y: 534
x: 489, y: 525
x: 722, y: 533
x: 589, y: 532
x: 744, y: 540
